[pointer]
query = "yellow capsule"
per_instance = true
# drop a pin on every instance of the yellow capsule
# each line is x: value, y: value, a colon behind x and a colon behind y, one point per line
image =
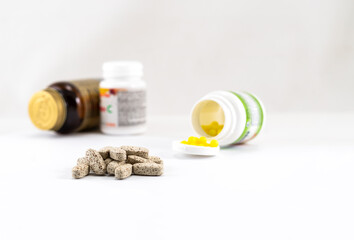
x: 192, y: 140
x: 212, y: 132
x: 202, y: 140
x: 214, y: 124
x: 205, y: 127
x: 220, y: 128
x: 214, y: 143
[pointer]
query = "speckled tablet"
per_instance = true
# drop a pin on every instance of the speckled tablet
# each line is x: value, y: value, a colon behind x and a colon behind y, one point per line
x: 96, y: 162
x: 123, y: 171
x: 80, y: 171
x: 117, y: 154
x: 137, y: 151
x: 148, y: 169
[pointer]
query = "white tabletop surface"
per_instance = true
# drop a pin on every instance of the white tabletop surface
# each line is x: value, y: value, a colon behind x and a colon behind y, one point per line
x: 295, y: 181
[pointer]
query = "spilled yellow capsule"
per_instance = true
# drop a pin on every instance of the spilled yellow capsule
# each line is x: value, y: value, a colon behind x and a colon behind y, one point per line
x: 192, y: 140
x: 214, y: 143
x: 202, y: 142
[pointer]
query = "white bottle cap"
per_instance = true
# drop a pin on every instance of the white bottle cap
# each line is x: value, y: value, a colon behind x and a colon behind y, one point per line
x: 122, y: 69
x: 195, y: 150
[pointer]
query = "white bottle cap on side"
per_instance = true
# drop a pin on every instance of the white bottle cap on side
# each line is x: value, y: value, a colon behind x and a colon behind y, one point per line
x: 118, y: 69
x: 195, y: 150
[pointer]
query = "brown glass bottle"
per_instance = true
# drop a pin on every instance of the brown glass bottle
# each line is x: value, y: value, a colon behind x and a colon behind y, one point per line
x: 66, y: 106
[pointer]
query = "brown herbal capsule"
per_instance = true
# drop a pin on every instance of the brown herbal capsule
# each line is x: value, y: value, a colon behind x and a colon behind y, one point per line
x: 83, y: 160
x: 117, y: 154
x: 156, y: 159
x: 123, y: 171
x: 148, y: 169
x: 111, y: 167
x: 107, y: 161
x: 132, y: 159
x: 105, y: 151
x: 137, y: 151
x: 80, y: 171
x: 97, y: 164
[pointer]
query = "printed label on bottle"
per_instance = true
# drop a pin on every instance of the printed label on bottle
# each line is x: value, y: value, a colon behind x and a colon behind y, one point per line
x: 254, y: 117
x: 122, y: 108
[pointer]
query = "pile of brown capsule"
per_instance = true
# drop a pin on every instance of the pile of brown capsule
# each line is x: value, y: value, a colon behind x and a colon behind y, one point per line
x: 121, y: 162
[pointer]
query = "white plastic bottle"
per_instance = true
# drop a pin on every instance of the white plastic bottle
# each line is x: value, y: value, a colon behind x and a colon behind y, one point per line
x: 123, y: 98
x: 229, y: 117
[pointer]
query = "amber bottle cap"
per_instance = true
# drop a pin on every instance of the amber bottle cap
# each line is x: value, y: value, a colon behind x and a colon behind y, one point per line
x: 47, y: 110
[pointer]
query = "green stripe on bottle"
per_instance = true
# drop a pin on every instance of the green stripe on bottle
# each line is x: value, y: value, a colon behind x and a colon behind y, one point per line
x: 260, y: 113
x: 248, y: 118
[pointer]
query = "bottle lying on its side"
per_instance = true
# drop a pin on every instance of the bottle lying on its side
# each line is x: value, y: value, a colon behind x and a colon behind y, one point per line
x: 66, y: 106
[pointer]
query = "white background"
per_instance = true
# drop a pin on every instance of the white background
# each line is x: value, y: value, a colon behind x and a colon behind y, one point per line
x: 295, y: 181
x: 295, y: 55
